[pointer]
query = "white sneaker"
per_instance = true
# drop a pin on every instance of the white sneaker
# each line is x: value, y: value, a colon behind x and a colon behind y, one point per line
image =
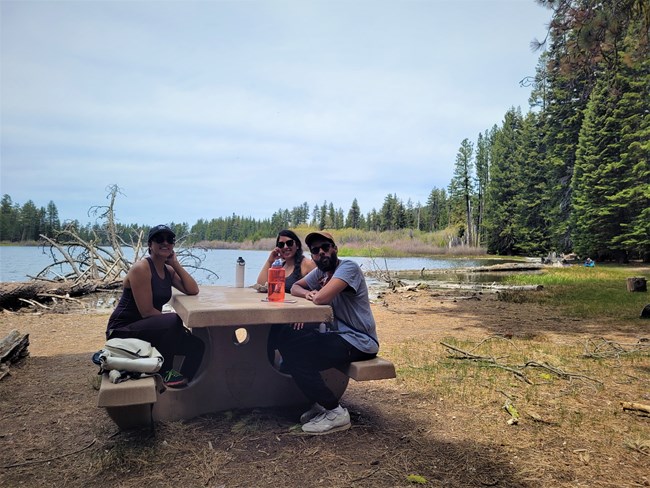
x: 315, y: 409
x: 327, y: 422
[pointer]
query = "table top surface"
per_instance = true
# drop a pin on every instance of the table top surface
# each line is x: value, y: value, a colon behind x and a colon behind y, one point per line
x: 228, y: 306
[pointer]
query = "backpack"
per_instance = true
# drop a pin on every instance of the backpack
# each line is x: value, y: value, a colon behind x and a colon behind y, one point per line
x: 128, y: 356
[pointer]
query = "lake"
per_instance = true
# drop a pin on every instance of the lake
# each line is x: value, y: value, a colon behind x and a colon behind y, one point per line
x: 18, y: 263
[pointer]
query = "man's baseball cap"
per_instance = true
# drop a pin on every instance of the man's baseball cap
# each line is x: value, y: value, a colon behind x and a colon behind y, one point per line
x: 159, y: 229
x: 318, y: 236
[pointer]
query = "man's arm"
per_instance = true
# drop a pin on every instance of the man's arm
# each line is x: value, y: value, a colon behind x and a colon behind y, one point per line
x: 300, y: 288
x: 324, y: 296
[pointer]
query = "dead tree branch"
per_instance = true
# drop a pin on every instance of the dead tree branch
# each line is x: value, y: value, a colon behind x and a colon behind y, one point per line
x: 601, y: 348
x: 487, y: 361
x: 517, y: 370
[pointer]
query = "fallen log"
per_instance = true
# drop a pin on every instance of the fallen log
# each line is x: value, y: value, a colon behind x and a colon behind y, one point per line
x: 13, y: 347
x: 486, y: 286
x: 469, y: 286
x: 506, y: 267
x: 13, y: 295
x: 395, y: 276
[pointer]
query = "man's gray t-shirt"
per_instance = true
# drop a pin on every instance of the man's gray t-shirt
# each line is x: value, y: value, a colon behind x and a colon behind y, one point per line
x: 353, y: 317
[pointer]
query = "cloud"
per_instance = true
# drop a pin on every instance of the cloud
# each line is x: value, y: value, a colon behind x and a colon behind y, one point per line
x: 205, y: 109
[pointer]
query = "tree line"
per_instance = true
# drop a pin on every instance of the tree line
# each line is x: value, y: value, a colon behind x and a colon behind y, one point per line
x: 570, y: 175
x: 27, y: 222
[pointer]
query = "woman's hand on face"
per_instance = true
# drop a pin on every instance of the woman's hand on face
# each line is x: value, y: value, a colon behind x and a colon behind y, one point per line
x: 171, y: 259
x: 275, y: 254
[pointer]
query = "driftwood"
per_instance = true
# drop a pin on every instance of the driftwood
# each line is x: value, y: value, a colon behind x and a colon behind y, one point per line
x: 507, y: 267
x: 11, y: 294
x: 636, y: 407
x: 393, y: 280
x: 84, y: 265
x: 13, y: 348
x: 488, y: 287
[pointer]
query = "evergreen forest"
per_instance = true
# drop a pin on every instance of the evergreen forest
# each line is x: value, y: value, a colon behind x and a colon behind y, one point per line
x: 570, y: 175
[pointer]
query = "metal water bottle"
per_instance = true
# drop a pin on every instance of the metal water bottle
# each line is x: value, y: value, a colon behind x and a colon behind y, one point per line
x: 239, y: 272
x: 276, y: 282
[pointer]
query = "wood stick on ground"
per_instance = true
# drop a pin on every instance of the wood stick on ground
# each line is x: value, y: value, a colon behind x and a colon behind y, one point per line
x: 34, y: 303
x: 466, y: 354
x: 559, y: 372
x: 62, y: 297
x: 35, y: 461
x: 636, y: 407
x: 488, y: 361
x: 603, y: 348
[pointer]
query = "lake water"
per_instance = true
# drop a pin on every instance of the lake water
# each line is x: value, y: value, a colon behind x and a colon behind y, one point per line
x: 18, y: 263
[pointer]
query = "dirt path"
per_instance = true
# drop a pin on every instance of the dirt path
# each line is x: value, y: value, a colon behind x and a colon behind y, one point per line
x: 52, y: 434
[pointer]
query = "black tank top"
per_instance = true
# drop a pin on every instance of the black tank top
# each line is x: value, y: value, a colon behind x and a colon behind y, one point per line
x: 293, y: 277
x: 127, y: 311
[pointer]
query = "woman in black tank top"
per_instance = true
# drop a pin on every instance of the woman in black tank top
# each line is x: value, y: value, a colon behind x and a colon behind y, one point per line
x: 147, y: 287
x: 288, y: 248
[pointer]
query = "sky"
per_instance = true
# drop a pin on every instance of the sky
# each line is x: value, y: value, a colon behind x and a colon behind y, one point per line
x: 205, y: 109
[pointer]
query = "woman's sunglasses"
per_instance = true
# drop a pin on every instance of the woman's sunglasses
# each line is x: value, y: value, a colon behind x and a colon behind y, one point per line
x: 325, y: 246
x: 288, y: 242
x: 160, y: 238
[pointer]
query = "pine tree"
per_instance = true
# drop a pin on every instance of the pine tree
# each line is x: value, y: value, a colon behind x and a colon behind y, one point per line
x: 436, y: 214
x: 531, y: 229
x: 505, y: 186
x: 461, y: 188
x: 612, y: 180
x: 9, y: 216
x: 482, y: 180
x: 354, y: 215
x: 53, y: 224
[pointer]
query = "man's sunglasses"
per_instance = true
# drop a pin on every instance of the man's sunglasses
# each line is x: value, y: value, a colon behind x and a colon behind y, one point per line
x: 288, y: 242
x: 325, y: 246
x: 160, y: 238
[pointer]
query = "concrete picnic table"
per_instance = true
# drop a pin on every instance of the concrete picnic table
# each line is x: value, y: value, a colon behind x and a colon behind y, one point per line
x: 234, y: 324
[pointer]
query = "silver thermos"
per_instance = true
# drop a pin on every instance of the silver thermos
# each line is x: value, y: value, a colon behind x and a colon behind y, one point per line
x: 239, y: 272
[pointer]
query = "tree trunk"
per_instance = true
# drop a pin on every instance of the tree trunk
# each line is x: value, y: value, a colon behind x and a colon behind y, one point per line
x: 11, y: 293
x: 637, y: 283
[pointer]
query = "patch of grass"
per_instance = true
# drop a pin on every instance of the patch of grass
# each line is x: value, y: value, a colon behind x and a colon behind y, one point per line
x: 585, y: 292
x: 582, y: 399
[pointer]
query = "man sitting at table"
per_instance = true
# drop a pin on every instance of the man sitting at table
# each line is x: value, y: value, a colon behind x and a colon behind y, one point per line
x: 350, y: 337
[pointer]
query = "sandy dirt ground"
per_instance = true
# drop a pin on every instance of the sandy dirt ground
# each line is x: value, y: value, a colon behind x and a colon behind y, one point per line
x: 53, y: 434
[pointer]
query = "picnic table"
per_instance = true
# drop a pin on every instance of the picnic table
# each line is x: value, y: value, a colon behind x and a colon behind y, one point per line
x: 234, y: 324
x: 235, y: 371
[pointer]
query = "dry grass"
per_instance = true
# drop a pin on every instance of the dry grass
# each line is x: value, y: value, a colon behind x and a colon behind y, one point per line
x: 355, y: 242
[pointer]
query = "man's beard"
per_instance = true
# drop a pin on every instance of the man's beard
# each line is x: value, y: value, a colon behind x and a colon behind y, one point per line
x: 327, y: 263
